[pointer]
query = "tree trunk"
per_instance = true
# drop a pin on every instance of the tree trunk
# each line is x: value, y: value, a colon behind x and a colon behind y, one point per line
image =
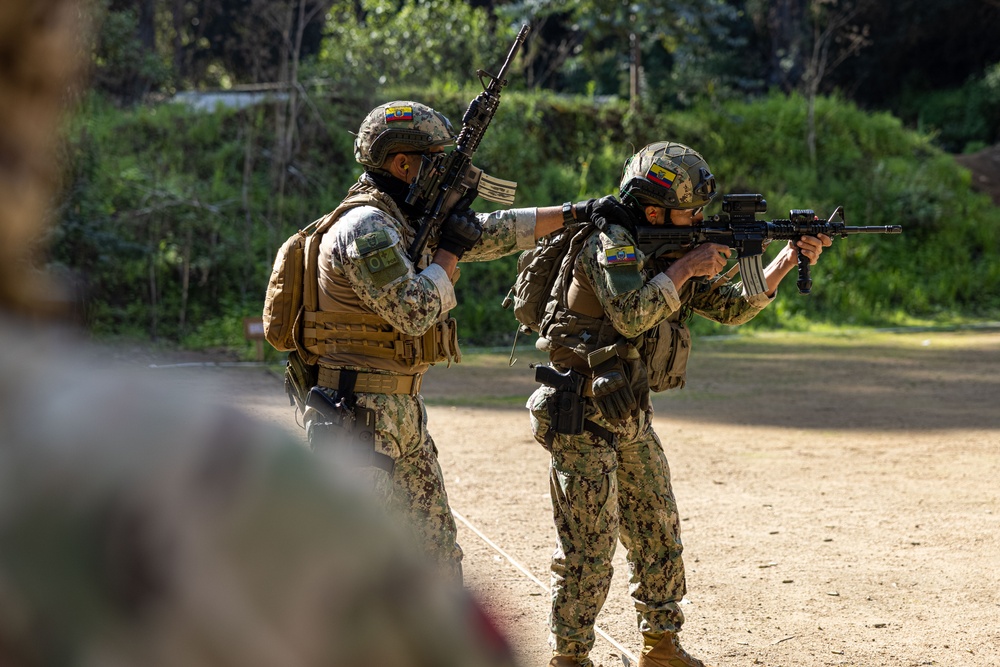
x: 185, y: 280
x: 280, y: 165
x: 249, y: 146
x: 177, y: 15
x: 147, y: 24
x: 634, y: 68
x: 153, y: 289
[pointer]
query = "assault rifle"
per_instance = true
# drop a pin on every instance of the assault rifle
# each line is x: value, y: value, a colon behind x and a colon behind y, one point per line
x: 445, y: 179
x: 737, y: 227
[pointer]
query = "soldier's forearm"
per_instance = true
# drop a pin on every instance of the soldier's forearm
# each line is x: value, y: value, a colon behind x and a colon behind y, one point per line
x: 548, y: 219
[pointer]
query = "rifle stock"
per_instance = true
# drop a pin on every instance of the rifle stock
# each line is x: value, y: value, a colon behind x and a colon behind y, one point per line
x: 738, y: 228
x: 445, y: 179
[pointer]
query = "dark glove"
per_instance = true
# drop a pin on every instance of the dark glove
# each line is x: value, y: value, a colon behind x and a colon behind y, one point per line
x: 613, y: 396
x: 607, y: 209
x: 613, y: 393
x: 460, y: 232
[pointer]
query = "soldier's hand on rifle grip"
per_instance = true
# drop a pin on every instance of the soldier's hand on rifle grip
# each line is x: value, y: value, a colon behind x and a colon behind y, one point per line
x: 708, y: 259
x: 460, y: 232
x: 807, y: 252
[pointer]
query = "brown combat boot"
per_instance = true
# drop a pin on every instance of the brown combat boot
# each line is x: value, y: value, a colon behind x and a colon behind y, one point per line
x: 564, y: 661
x: 668, y: 653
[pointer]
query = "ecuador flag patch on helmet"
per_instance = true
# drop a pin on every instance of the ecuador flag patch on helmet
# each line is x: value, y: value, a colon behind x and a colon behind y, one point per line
x: 394, y: 114
x: 622, y: 254
x: 661, y: 175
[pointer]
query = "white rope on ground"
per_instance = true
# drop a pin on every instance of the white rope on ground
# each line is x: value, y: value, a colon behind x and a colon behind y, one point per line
x: 210, y: 364
x: 624, y: 651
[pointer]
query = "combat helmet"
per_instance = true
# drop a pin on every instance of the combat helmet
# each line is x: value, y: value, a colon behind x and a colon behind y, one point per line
x: 400, y: 126
x: 667, y: 174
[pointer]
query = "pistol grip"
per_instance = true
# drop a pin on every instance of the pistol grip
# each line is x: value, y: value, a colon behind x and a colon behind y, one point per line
x: 805, y: 280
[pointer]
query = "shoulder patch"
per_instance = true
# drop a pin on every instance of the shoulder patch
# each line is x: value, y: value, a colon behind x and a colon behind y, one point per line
x: 621, y: 269
x: 381, y: 258
x: 373, y: 241
x: 623, y: 254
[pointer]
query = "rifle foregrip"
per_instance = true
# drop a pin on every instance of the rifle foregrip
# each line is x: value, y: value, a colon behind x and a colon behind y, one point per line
x: 805, y: 280
x: 419, y: 241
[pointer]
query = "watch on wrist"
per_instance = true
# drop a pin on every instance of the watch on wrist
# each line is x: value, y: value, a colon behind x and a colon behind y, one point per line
x: 567, y: 211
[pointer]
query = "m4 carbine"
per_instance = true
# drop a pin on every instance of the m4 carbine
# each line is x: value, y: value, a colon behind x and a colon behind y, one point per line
x: 738, y: 228
x: 445, y: 179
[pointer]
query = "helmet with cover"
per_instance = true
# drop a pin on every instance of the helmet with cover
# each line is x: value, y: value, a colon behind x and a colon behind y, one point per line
x: 667, y: 174
x: 400, y: 126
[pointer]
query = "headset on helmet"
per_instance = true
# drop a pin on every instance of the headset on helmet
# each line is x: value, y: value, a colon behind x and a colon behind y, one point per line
x: 400, y: 126
x: 667, y: 174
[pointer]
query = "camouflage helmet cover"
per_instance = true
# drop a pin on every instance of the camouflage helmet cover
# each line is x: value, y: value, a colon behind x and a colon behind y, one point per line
x: 668, y: 174
x: 400, y: 126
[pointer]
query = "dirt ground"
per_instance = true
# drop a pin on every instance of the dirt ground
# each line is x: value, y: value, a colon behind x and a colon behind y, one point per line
x: 985, y: 168
x: 839, y: 496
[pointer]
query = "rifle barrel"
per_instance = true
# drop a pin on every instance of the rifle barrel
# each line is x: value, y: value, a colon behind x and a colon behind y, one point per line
x: 518, y: 41
x: 876, y: 229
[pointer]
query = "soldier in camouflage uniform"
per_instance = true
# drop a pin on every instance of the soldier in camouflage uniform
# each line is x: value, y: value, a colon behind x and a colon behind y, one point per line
x: 620, y: 322
x: 384, y: 318
x: 142, y: 528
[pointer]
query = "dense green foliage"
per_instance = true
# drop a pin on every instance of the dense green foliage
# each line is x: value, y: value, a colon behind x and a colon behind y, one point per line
x: 963, y: 119
x: 170, y: 222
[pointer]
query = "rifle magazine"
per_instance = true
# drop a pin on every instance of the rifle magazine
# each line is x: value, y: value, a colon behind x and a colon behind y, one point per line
x: 497, y: 190
x: 752, y: 272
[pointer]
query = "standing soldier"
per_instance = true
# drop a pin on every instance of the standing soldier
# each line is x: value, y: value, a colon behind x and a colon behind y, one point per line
x: 383, y: 317
x: 621, y: 324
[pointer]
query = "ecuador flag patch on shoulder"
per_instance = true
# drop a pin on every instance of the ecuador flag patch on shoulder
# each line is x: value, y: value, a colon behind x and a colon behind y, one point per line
x: 622, y: 254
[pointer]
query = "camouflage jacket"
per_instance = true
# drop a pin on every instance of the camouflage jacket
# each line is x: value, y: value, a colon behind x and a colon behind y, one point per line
x: 367, y: 247
x: 616, y: 292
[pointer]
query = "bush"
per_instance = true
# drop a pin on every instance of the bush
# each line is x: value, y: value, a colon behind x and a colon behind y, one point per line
x: 171, y: 221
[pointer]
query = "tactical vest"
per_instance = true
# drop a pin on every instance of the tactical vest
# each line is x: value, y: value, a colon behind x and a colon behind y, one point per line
x: 342, y: 332
x: 579, y: 325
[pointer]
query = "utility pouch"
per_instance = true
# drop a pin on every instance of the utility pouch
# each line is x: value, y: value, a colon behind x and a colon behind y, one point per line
x: 567, y: 405
x: 670, y: 347
x: 300, y: 377
x: 612, y: 389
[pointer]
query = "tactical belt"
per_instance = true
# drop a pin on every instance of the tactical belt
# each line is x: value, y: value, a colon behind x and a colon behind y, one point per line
x: 601, y: 432
x: 374, y: 383
x: 588, y: 387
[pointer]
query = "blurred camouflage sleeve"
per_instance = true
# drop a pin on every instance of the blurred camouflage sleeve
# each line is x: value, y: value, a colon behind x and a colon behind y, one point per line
x: 367, y: 246
x: 143, y: 526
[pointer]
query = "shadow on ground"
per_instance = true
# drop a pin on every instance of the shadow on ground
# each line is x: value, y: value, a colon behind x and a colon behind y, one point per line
x: 895, y: 381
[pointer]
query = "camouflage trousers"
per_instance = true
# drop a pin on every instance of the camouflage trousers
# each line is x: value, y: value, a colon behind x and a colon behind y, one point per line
x: 414, y: 494
x: 604, y: 492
